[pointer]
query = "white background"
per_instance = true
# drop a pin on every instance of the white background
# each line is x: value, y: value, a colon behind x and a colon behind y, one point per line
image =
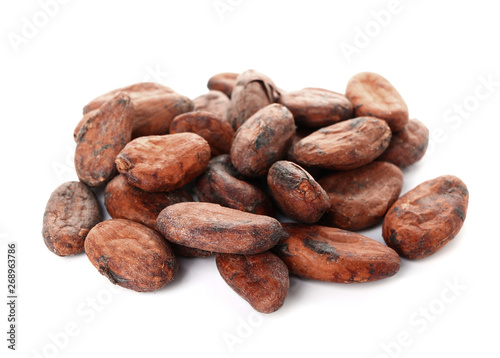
x: 437, y: 54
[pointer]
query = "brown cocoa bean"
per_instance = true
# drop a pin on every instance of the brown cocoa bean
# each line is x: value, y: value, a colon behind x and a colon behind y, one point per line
x: 408, y: 145
x: 262, y: 140
x: 345, y: 145
x: 216, y: 228
x: 260, y: 279
x: 427, y: 217
x: 360, y: 197
x: 222, y: 184
x: 223, y: 82
x: 155, y: 106
x: 218, y: 133
x: 131, y: 255
x: 252, y: 92
x: 317, y: 107
x: 334, y: 255
x: 296, y: 192
x: 215, y: 102
x: 163, y: 163
x: 101, y: 138
x: 374, y: 96
x: 125, y: 201
x: 70, y: 213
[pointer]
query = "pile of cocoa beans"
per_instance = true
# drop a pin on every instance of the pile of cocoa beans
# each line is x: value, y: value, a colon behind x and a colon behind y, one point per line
x: 272, y: 182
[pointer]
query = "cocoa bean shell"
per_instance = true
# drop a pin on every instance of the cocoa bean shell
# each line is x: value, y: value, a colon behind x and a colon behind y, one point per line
x: 261, y: 279
x: 212, y: 227
x: 131, y: 255
x: 214, y: 102
x: 334, y: 255
x: 71, y: 212
x: 427, y: 217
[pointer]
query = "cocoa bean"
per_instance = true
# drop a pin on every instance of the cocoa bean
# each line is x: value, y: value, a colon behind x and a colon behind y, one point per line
x: 223, y: 82
x: 222, y: 184
x: 261, y: 279
x: 131, y: 255
x: 163, y: 163
x: 70, y: 213
x: 215, y: 102
x: 345, y: 145
x: 427, y: 217
x: 374, y: 96
x: 216, y: 228
x: 262, y: 140
x: 296, y: 192
x: 334, y: 255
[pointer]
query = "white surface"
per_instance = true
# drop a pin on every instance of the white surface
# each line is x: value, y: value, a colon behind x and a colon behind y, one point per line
x: 435, y: 53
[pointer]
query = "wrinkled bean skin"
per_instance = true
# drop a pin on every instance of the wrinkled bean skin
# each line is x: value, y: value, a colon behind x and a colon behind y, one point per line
x: 334, y: 255
x: 408, y: 145
x: 427, y: 217
x: 70, y: 213
x: 296, y: 192
x: 223, y: 82
x: 252, y: 92
x: 131, y: 255
x: 155, y: 106
x: 345, y: 145
x: 317, y: 107
x: 262, y: 140
x: 218, y: 133
x: 163, y: 163
x: 215, y: 102
x: 261, y: 279
x: 101, y: 138
x: 212, y: 227
x: 374, y: 96
x: 360, y: 197
x: 125, y: 201
x: 222, y: 184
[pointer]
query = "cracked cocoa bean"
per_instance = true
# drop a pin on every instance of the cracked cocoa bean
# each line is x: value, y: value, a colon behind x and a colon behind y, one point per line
x: 260, y: 279
x: 317, y: 107
x: 334, y: 255
x: 155, y: 107
x: 262, y: 140
x: 131, y: 255
x: 427, y: 217
x: 218, y: 133
x: 163, y: 163
x: 345, y: 145
x: 212, y: 227
x: 360, y: 197
x: 252, y: 92
x: 101, y: 138
x: 125, y: 201
x: 222, y: 184
x: 223, y: 82
x: 70, y: 213
x: 408, y: 145
x: 374, y: 96
x: 296, y: 192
